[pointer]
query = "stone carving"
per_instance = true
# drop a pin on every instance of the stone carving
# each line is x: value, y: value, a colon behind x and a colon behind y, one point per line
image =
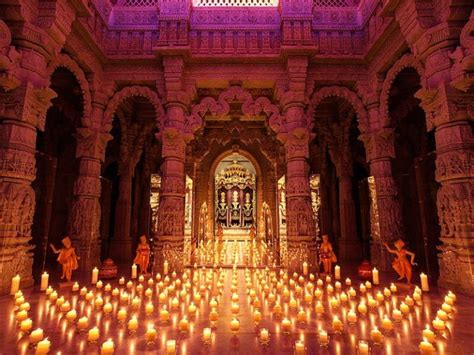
x: 65, y: 61
x: 221, y: 108
x: 131, y: 91
x: 406, y: 61
x: 345, y: 93
x: 463, y: 58
x: 9, y: 60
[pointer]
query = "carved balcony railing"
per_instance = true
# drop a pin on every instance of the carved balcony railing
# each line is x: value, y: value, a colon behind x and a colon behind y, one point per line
x: 235, y: 3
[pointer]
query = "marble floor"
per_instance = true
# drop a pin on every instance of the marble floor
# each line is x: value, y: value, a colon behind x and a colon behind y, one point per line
x: 404, y: 339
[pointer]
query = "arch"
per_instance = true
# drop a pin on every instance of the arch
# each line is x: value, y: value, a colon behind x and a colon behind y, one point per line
x: 127, y: 92
x: 406, y: 61
x: 221, y: 107
x: 344, y: 93
x: 66, y: 62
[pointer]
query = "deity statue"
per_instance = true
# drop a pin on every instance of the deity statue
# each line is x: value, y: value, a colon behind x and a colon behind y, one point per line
x: 67, y: 258
x: 401, y: 264
x: 235, y: 209
x: 252, y: 233
x: 326, y: 254
x: 222, y: 210
x: 142, y: 258
x: 248, y: 210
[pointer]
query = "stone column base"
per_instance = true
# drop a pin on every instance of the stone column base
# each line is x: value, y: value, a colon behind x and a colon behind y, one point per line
x: 121, y: 251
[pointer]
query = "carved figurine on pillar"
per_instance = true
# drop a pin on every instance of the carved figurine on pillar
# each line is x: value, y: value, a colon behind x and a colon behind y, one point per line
x: 67, y: 258
x: 142, y: 259
x: 326, y: 254
x: 401, y: 264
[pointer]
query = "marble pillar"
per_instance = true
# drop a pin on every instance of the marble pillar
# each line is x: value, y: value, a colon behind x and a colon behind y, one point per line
x: 23, y: 111
x: 386, y: 224
x: 84, y: 218
x: 169, y: 241
x: 300, y: 223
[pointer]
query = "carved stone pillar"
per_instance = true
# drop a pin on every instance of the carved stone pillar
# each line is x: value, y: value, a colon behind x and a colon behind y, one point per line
x: 23, y: 111
x: 300, y: 224
x: 450, y: 112
x: 169, y: 242
x: 454, y: 171
x: 84, y: 218
x: 387, y: 218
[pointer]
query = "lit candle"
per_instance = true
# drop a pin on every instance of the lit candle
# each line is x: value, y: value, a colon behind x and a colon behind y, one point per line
x: 299, y: 347
x: 26, y: 325
x: 375, y: 276
x: 174, y: 303
x: 151, y: 334
x: 235, y: 308
x: 134, y: 271
x: 108, y: 308
x: 122, y: 315
x: 442, y: 315
x: 351, y: 317
x: 206, y: 335
x: 372, y: 302
x: 264, y: 335
x: 107, y: 347
x: 337, y: 324
x: 83, y: 323
x: 337, y: 272
x: 83, y: 291
x: 98, y: 302
x: 15, y: 286
x: 108, y: 288
x: 446, y: 307
x: 165, y: 267
x: 348, y: 282
x: 99, y: 284
x: 44, y: 281
x: 404, y: 308
x: 363, y: 347
x: 132, y: 324
x: 305, y: 268
x: 387, y: 324
x: 75, y: 287
x: 36, y: 335
x: 323, y: 337
x: 149, y: 308
x: 183, y: 325
x: 393, y: 288
x: 387, y: 292
x: 25, y: 306
x: 93, y: 335
x: 425, y: 286
x: 122, y: 281
x: 285, y: 325
x: 65, y: 307
x: 257, y: 317
x: 171, y: 347
x: 362, y: 308
x: 43, y: 347
x: 334, y: 302
x: 21, y: 315
x: 71, y: 315
x: 352, y: 292
x: 234, y: 325
x: 319, y: 308
x: 376, y: 336
x: 192, y: 310
x: 426, y: 348
x: 164, y: 315
x: 301, y: 316
x: 379, y: 296
x: 438, y: 324
x: 397, y: 315
x: 428, y: 334
x: 95, y: 275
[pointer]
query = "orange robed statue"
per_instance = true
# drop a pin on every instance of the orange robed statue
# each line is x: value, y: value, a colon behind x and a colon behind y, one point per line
x: 401, y: 264
x: 67, y: 258
x: 142, y: 258
x: 326, y: 254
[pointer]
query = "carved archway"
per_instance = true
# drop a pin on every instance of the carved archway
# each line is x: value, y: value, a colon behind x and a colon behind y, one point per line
x: 66, y: 62
x: 220, y: 107
x: 344, y: 93
x: 406, y: 61
x: 132, y: 91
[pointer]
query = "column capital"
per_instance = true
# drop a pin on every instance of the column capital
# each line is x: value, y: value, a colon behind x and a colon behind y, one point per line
x: 27, y: 104
x: 379, y: 144
x: 444, y: 104
x: 91, y: 143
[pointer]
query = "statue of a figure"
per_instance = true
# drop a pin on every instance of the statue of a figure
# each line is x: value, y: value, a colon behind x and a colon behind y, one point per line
x: 248, y: 210
x: 401, y: 264
x: 222, y: 210
x: 142, y: 259
x: 67, y: 258
x: 252, y: 233
x: 235, y: 210
x: 326, y: 254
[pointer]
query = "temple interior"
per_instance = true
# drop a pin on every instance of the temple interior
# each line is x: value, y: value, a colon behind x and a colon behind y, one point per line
x: 211, y: 176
